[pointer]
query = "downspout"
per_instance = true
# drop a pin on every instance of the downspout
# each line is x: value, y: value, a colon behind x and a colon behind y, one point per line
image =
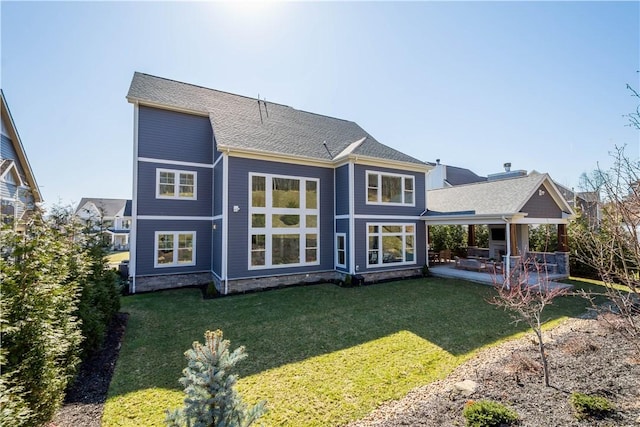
x: 225, y: 220
x: 507, y: 266
x: 352, y: 222
x: 134, y: 204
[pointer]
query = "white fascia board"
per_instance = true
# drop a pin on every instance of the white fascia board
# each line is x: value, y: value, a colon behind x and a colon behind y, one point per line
x: 389, y: 164
x: 145, y: 103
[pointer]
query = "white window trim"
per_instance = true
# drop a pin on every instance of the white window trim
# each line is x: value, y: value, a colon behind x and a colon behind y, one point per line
x: 175, y: 250
x: 380, y: 234
x: 176, y: 184
x: 379, y: 202
x: 268, y: 231
x: 344, y: 237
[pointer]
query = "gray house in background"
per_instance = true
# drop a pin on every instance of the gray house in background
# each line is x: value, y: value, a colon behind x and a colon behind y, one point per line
x: 250, y: 194
x: 19, y: 192
x: 112, y: 217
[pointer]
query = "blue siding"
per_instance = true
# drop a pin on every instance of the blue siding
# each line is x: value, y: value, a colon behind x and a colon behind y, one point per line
x: 216, y: 262
x: 8, y: 152
x: 360, y: 193
x: 10, y: 191
x: 170, y: 135
x: 542, y: 206
x: 146, y: 240
x: 361, y: 245
x: 238, y: 250
x: 149, y: 205
x: 342, y: 190
x: 217, y: 188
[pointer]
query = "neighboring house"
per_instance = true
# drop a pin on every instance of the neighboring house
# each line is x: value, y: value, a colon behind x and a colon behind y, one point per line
x: 443, y: 176
x: 250, y: 194
x: 587, y: 202
x: 112, y: 217
x: 19, y: 192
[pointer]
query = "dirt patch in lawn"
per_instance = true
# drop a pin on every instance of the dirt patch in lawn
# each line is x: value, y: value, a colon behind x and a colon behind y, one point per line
x: 585, y: 355
x: 85, y: 398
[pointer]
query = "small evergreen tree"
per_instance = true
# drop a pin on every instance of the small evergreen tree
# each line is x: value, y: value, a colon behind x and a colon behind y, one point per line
x: 212, y: 400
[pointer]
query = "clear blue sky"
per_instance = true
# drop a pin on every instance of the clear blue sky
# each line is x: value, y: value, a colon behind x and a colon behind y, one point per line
x: 540, y: 85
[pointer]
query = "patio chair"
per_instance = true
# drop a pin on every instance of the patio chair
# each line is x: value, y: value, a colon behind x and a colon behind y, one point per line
x: 445, y: 255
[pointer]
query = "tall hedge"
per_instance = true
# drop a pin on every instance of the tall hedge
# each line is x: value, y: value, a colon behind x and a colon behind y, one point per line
x: 56, y: 299
x: 39, y: 276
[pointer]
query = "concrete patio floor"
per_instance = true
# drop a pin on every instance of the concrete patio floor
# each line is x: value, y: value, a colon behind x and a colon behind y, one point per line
x: 448, y: 270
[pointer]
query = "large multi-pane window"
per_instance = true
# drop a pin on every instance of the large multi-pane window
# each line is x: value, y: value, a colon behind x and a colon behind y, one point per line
x: 283, y: 221
x: 175, y: 248
x: 393, y: 189
x: 176, y: 184
x: 390, y: 244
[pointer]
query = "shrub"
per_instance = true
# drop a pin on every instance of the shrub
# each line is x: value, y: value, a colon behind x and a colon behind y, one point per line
x: 487, y: 413
x: 212, y: 399
x: 40, y: 335
x: 587, y: 406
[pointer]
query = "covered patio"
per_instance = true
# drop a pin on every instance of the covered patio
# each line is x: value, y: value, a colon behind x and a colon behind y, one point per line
x: 508, y: 207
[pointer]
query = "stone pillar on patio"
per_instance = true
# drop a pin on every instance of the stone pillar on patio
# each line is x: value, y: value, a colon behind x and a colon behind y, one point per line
x: 562, y: 259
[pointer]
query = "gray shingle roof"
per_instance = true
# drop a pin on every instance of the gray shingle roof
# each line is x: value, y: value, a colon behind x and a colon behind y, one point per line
x: 108, y: 207
x: 461, y: 176
x: 505, y: 196
x: 283, y: 130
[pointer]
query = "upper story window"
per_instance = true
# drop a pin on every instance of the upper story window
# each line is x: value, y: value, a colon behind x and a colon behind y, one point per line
x: 390, y: 189
x: 175, y: 249
x: 126, y: 224
x: 176, y: 184
x: 283, y: 221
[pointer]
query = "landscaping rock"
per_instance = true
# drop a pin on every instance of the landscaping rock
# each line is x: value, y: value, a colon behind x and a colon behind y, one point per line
x: 465, y: 388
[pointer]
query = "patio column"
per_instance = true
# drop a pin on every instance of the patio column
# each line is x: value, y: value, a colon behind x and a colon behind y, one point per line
x: 563, y: 241
x: 471, y: 235
x: 514, y: 239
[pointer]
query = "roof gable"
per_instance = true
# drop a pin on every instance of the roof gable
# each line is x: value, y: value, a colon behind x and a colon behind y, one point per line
x: 501, y: 197
x: 244, y: 123
x: 9, y: 126
x: 100, y: 207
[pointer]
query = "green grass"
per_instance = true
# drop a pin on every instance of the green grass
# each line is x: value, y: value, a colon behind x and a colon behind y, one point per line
x: 320, y: 355
x: 114, y: 258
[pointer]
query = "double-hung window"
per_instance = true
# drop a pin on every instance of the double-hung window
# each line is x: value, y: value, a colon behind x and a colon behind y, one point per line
x: 390, y: 244
x: 176, y: 184
x: 175, y: 248
x: 390, y: 189
x: 283, y: 221
x: 341, y: 250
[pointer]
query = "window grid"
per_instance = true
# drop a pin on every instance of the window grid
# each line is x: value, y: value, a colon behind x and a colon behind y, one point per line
x: 390, y: 244
x: 175, y: 248
x: 390, y: 189
x: 287, y: 222
x: 176, y: 184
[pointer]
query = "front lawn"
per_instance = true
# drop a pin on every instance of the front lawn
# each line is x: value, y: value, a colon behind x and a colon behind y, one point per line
x: 319, y: 355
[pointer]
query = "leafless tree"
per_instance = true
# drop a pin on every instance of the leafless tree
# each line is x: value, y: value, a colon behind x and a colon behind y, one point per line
x: 612, y: 246
x: 526, y: 299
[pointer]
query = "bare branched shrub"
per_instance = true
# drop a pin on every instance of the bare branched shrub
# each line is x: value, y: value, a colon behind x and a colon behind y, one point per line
x: 612, y: 246
x: 526, y: 299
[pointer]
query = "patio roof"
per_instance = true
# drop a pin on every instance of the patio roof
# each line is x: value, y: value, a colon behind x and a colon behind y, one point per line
x: 531, y: 199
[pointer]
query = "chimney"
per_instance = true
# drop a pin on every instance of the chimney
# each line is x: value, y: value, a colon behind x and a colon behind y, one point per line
x: 507, y: 167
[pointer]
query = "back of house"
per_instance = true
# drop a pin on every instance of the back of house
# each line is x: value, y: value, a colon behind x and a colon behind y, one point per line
x: 249, y: 195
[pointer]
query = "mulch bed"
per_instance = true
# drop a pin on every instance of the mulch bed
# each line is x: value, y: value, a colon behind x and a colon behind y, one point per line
x: 585, y: 355
x: 85, y: 398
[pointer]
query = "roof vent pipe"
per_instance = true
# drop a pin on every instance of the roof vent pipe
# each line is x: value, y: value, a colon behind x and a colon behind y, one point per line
x: 437, y: 161
x: 507, y: 167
